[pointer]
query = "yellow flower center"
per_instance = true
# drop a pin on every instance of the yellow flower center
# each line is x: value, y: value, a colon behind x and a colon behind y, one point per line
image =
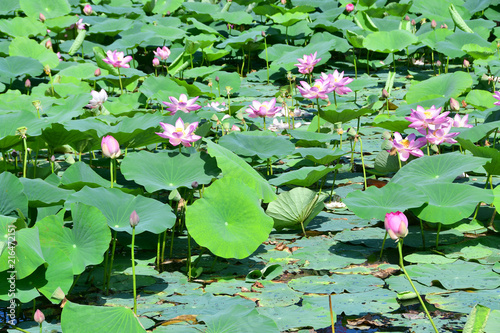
x: 428, y: 114
x: 405, y: 143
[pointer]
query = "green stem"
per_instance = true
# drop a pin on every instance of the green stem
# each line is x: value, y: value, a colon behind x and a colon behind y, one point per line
x: 25, y: 161
x: 399, y: 160
x: 51, y: 84
x: 264, y: 118
x: 355, y: 65
x: 335, y: 98
x: 422, y: 232
x: 163, y: 246
x: 105, y: 280
x: 267, y: 61
x: 368, y: 62
x: 383, y: 245
x: 333, y: 185
x: 133, y: 270
x: 393, y: 63
x: 437, y: 236
x: 172, y: 242
x: 111, y: 262
x: 111, y: 168
x: 20, y: 329
x: 158, y: 247
x: 362, y: 160
x: 400, y: 249
x: 317, y: 103
x: 120, y: 79
x: 331, y: 312
x: 189, y: 257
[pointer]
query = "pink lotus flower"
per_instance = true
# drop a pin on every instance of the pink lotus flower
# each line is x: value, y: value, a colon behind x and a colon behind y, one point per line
x: 180, y: 133
x: 218, y: 106
x: 182, y: 104
x: 39, y: 317
x: 163, y: 53
x: 338, y: 82
x: 134, y: 219
x: 79, y: 25
x: 441, y: 134
x: 87, y: 9
x: 497, y: 96
x: 59, y: 56
x: 156, y: 62
x: 98, y: 98
x: 408, y: 146
x: 117, y: 59
x: 422, y: 118
x: 320, y: 89
x: 307, y: 63
x: 349, y: 7
x: 264, y: 109
x: 396, y: 225
x: 110, y: 147
x: 457, y: 122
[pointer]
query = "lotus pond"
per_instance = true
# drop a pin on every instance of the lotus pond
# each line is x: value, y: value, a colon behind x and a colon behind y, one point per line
x: 249, y: 166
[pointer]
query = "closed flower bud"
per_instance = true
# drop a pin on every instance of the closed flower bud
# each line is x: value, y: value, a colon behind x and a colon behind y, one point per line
x: 433, y: 24
x: 41, y: 17
x: 466, y: 63
x: 48, y: 44
x: 134, y: 219
x: 156, y: 62
x: 464, y: 105
x: 407, y: 18
x: 385, y: 94
x: 444, y: 26
x: 97, y: 72
x: 349, y: 7
x: 87, y: 10
x: 454, y: 105
x: 263, y: 34
x: 235, y: 128
x: 217, y: 79
x: 27, y: 83
x: 396, y: 225
x: 39, y: 316
x: 194, y: 185
x: 413, y: 22
x: 110, y: 147
x: 438, y: 63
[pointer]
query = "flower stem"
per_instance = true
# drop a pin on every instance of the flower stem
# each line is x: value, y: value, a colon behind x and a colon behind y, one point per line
x: 264, y: 118
x: 133, y: 270
x: 437, y: 236
x: 355, y: 66
x: 267, y: 61
x: 120, y: 79
x: 111, y: 168
x: 331, y: 312
x: 362, y: 160
x: 383, y: 245
x: 317, y: 103
x: 422, y: 232
x: 189, y: 257
x: 25, y: 160
x: 111, y: 262
x: 400, y: 249
x: 335, y: 98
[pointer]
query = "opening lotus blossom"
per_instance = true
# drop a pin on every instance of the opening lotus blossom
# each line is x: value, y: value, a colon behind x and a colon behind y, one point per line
x: 307, y: 63
x: 320, y: 89
x: 117, y: 59
x: 396, y: 225
x: 180, y: 133
x: 408, y: 146
x: 163, y: 53
x: 423, y: 119
x: 182, y: 104
x: 264, y: 109
x: 98, y: 98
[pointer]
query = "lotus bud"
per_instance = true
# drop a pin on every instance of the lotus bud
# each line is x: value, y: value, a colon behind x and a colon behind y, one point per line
x: 454, y: 105
x: 413, y: 23
x: 156, y: 62
x: 134, y: 219
x: 407, y: 18
x: 48, y: 44
x: 39, y: 317
x: 168, y: 13
x: 444, y: 26
x: 52, y: 158
x: 97, y: 72
x: 110, y: 147
x: 235, y: 128
x: 87, y: 10
x: 283, y: 2
x: 396, y: 225
x: 433, y: 24
x: 263, y: 34
x: 216, y: 79
x: 385, y: 94
x: 210, y: 83
x: 27, y: 83
x: 41, y: 17
x: 466, y: 63
x: 194, y: 185
x: 349, y: 7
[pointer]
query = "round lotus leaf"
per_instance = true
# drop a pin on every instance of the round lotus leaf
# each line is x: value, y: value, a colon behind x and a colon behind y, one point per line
x: 263, y: 146
x: 274, y: 294
x: 166, y: 171
x: 342, y: 114
x: 445, y: 85
x: 239, y: 319
x: 42, y: 194
x: 231, y: 211
x: 117, y: 206
x: 59, y: 273
x: 320, y: 155
x: 389, y: 41
x: 25, y: 47
x: 12, y: 196
x: 287, y: 319
x: 464, y: 301
x: 49, y: 8
x: 305, y: 176
x: 352, y: 283
x: 12, y: 67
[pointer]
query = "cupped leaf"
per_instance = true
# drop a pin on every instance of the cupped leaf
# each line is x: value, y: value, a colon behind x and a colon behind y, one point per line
x: 438, y: 168
x: 117, y: 206
x: 389, y: 41
x: 233, y: 166
x: 446, y: 85
x: 305, y: 176
x: 295, y: 208
x: 251, y: 144
x: 229, y: 210
x: 376, y: 202
x: 85, y: 243
x: 104, y: 319
x: 449, y: 203
x: 167, y: 171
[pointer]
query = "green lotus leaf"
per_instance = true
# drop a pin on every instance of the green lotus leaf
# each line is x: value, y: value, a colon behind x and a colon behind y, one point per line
x: 25, y: 47
x: 287, y: 19
x: 343, y: 114
x: 452, y: 45
x: 445, y: 85
x: 233, y: 166
x: 305, y: 176
x: 80, y: 71
x: 352, y: 283
x: 166, y: 171
x: 85, y: 243
x: 26, y: 256
x: 104, y: 319
x: 164, y: 6
x: 431, y: 38
x: 43, y: 194
x: 117, y: 206
x: 464, y: 301
x: 450, y: 203
x: 241, y: 319
x: 492, y: 167
x: 59, y: 273
x: 478, y: 52
x: 320, y: 155
x: 19, y: 27
x: 437, y: 168
x: 480, y: 99
x: 226, y: 79
x: 251, y: 144
x: 49, y: 8
x: 79, y: 175
x: 295, y: 208
x: 110, y: 27
x: 229, y: 210
x: 389, y: 41
x: 238, y: 18
x: 12, y: 196
x: 25, y: 289
x: 393, y: 123
x: 376, y: 202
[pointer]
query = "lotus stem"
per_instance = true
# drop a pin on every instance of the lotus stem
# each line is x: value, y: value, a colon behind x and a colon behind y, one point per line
x: 383, y: 245
x: 4, y: 154
x: 400, y: 249
x: 172, y: 242
x: 25, y: 157
x: 368, y: 62
x: 422, y: 232
x: 111, y: 262
x: 120, y: 79
x: 269, y: 167
x: 133, y: 270
x: 303, y: 229
x: 158, y: 246
x: 333, y: 185
x: 393, y: 63
x: 437, y: 236
x: 362, y: 160
x: 164, y: 243
x: 335, y: 98
x: 331, y: 312
x: 264, y: 118
x: 188, y: 263
x: 267, y: 61
x: 432, y: 59
x: 20, y: 329
x: 399, y: 160
x: 105, y: 280
x: 354, y: 61
x: 317, y: 103
x: 242, y: 63
x: 111, y: 168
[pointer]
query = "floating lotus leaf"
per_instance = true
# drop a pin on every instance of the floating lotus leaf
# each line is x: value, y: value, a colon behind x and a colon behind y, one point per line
x: 464, y: 301
x: 79, y: 175
x: 117, y: 206
x: 231, y: 211
x: 389, y: 41
x: 321, y: 155
x: 305, y: 176
x: 168, y: 171
x: 263, y: 146
x: 352, y: 283
x: 445, y: 85
x: 239, y: 318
